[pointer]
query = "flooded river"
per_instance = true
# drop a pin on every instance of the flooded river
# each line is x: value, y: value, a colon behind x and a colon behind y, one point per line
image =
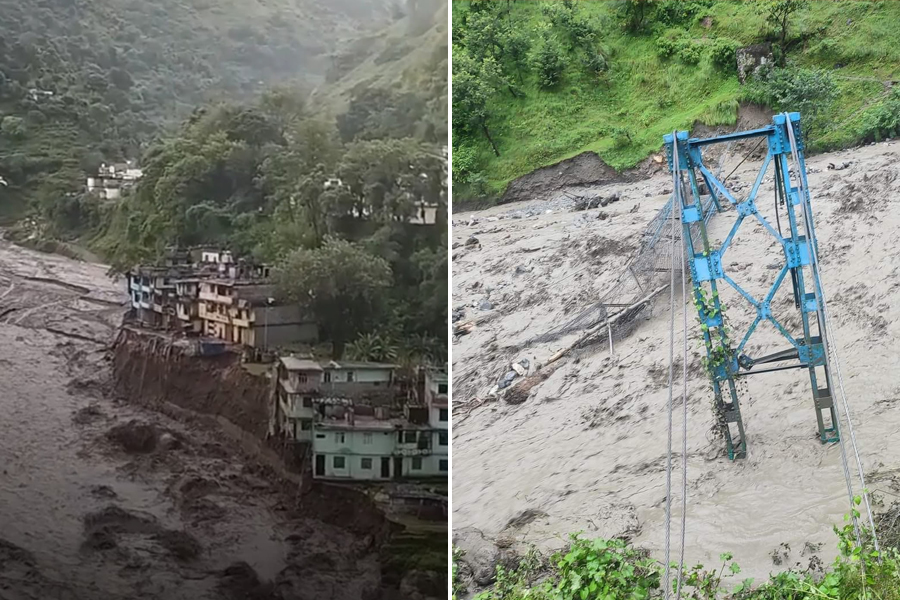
x: 101, y: 499
x: 585, y: 449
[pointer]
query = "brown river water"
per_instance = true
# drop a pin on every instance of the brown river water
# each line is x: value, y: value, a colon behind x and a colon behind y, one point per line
x: 89, y: 510
x: 586, y: 451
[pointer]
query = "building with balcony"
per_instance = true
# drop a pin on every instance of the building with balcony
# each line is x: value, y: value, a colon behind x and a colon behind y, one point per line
x: 246, y: 312
x: 343, y: 412
x: 363, y: 444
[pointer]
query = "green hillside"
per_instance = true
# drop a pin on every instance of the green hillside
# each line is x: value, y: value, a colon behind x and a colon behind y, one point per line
x: 304, y: 134
x: 549, y: 80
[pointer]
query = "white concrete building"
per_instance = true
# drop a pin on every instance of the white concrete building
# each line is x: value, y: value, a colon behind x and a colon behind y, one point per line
x: 368, y: 448
x: 112, y: 179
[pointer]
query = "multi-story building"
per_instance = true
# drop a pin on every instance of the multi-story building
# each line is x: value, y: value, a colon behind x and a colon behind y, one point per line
x: 369, y: 447
x: 153, y: 295
x: 187, y: 308
x: 298, y: 384
x: 344, y: 411
x: 246, y: 312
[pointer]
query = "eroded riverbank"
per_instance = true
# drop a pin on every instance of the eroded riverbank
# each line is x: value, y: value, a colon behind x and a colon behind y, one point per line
x: 102, y: 498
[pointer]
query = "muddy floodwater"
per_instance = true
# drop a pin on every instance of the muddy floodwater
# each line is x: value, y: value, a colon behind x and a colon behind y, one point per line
x: 100, y: 499
x: 584, y: 449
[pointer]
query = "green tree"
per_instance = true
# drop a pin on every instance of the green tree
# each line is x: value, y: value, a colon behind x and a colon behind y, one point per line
x: 340, y: 284
x: 517, y: 44
x: 807, y: 91
x: 549, y: 63
x: 471, y: 92
x: 635, y: 13
x: 778, y: 14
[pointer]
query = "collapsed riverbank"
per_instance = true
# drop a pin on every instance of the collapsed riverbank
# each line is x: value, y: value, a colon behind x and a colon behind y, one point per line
x: 107, y: 494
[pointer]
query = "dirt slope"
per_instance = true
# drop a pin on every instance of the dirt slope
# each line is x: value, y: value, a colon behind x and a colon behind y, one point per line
x: 586, y: 449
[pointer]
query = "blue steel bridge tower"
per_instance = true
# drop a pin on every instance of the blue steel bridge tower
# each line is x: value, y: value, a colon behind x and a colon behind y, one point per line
x: 726, y: 359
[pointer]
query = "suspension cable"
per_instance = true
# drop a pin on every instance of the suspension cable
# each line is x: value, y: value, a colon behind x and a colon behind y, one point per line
x: 684, y: 409
x: 675, y: 177
x: 829, y: 350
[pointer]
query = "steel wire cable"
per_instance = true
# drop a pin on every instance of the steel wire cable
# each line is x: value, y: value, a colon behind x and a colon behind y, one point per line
x: 684, y: 410
x: 668, y: 509
x: 831, y: 351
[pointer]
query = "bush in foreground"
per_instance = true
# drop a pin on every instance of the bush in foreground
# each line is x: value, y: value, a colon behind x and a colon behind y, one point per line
x: 612, y: 570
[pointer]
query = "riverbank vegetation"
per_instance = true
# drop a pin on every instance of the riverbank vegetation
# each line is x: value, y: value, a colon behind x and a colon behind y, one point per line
x: 613, y: 570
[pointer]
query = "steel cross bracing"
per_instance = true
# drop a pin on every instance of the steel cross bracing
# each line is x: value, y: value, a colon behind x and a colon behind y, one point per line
x: 725, y: 360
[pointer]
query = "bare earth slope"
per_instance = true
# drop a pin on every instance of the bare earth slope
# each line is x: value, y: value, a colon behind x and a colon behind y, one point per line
x: 586, y: 450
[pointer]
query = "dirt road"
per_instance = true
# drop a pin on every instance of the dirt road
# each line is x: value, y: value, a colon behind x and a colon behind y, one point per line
x: 586, y: 450
x: 100, y: 499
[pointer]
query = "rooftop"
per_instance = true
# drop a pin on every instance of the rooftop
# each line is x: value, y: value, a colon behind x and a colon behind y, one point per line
x: 368, y: 423
x: 349, y: 364
x: 292, y: 363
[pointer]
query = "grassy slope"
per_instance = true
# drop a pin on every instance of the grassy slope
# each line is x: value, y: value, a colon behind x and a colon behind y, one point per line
x: 401, y: 57
x: 651, y: 96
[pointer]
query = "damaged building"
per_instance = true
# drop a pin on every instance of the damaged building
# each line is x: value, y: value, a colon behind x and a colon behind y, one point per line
x: 344, y: 416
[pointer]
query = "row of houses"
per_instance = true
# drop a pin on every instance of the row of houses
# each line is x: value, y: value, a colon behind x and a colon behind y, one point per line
x: 207, y: 293
x: 354, y: 421
x: 342, y: 414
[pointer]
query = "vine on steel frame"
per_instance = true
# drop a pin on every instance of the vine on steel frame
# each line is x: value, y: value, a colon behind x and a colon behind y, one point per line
x: 724, y: 361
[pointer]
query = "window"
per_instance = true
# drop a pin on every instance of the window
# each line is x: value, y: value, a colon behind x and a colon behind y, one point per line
x: 307, y: 402
x: 442, y: 388
x: 320, y: 436
x: 327, y: 377
x: 349, y: 376
x: 442, y: 417
x: 365, y: 463
x: 409, y: 437
x: 367, y: 438
x: 339, y: 438
x: 339, y: 462
x: 305, y: 425
x: 444, y: 465
x: 301, y: 377
x: 417, y: 463
x: 442, y: 438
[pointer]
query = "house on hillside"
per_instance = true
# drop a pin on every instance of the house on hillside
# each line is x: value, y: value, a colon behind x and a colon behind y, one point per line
x: 299, y: 381
x: 111, y: 180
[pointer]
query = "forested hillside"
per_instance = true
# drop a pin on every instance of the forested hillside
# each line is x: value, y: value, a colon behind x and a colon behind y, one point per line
x: 538, y: 82
x: 304, y: 134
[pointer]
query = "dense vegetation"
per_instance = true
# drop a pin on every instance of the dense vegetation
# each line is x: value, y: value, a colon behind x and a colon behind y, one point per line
x: 323, y: 185
x: 612, y: 570
x: 538, y: 82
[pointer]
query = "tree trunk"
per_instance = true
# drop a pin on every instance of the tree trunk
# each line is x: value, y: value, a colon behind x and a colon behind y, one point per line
x: 337, y: 349
x: 490, y: 139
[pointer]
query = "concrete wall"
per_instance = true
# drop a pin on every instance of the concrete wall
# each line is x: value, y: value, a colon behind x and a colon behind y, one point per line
x: 353, y: 467
x: 434, y: 417
x: 282, y: 335
x: 429, y: 466
x: 360, y: 375
x: 354, y: 442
